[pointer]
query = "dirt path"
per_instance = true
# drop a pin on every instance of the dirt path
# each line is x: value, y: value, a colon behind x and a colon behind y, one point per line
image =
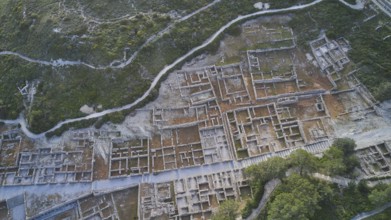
x: 54, y: 63
x: 372, y: 137
x: 116, y: 64
x: 338, y: 180
x: 358, y: 6
x: 166, y: 69
x: 365, y: 215
x: 269, y: 188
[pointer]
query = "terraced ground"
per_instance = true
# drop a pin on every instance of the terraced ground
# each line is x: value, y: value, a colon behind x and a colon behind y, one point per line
x: 106, y: 55
x: 71, y: 30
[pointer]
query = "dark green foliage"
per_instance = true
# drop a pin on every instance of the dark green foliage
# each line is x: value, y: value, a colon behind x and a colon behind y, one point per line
x: 383, y: 91
x: 288, y: 3
x: 340, y: 158
x: 252, y: 204
x: 259, y: 175
x: 372, y: 51
x: 273, y: 168
x: 301, y: 196
x: 234, y: 30
x: 305, y: 162
x: 62, y: 93
x: 296, y: 198
x: 347, y: 145
x: 368, y: 47
x: 30, y: 31
x: 351, y: 1
x: 332, y: 162
x: 12, y: 77
x: 64, y: 90
x: 263, y: 172
x: 330, y: 16
x: 385, y: 215
x: 350, y: 202
x: 276, y: 167
x: 116, y: 117
x: 380, y: 195
x: 117, y: 8
x: 227, y: 211
x: 75, y: 125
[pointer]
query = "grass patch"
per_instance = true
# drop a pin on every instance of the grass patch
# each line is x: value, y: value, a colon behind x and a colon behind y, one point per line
x: 385, y: 215
x: 62, y: 91
x: 369, y: 50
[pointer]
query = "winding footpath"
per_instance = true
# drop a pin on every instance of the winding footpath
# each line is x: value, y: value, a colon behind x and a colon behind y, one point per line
x: 365, y: 215
x: 116, y: 64
x: 118, y: 183
x: 269, y: 188
x: 164, y: 71
x: 53, y: 63
x: 358, y: 6
x: 119, y: 64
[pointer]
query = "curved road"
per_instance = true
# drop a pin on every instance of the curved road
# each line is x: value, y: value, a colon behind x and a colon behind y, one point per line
x: 22, y: 121
x: 166, y: 69
x: 110, y: 184
x: 269, y: 188
x: 358, y: 6
x: 116, y: 64
x: 365, y: 215
x: 54, y: 63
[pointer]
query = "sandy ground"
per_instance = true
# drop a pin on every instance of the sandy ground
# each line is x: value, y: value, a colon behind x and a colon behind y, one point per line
x: 371, y: 130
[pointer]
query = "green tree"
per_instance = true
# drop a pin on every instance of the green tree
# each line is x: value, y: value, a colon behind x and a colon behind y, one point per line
x: 298, y: 199
x: 304, y: 161
x: 350, y: 201
x: 380, y: 195
x: 234, y: 30
x: 332, y: 161
x: 229, y: 210
x: 340, y: 158
x: 261, y: 173
x: 383, y: 91
x: 347, y: 145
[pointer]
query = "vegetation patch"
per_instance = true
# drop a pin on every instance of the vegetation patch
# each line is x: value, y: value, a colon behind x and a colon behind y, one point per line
x: 300, y: 195
x: 63, y: 90
x: 369, y: 49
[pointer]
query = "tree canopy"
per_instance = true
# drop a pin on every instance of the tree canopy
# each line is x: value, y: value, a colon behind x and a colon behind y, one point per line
x: 229, y: 210
x: 380, y: 195
x: 340, y: 158
x: 347, y: 145
x: 298, y: 199
x: 304, y: 161
x: 272, y: 168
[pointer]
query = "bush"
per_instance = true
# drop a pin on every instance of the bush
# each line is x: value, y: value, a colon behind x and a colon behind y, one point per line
x: 340, y: 158
x: 227, y: 211
x: 234, y: 30
x: 347, y: 145
x: 383, y: 91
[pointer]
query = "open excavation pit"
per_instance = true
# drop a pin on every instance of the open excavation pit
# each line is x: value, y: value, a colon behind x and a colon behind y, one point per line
x: 64, y: 164
x: 192, y: 198
x: 116, y: 204
x: 375, y: 160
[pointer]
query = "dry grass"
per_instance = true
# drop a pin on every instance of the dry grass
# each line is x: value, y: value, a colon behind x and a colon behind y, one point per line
x: 126, y: 202
x: 334, y: 105
x: 101, y: 169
